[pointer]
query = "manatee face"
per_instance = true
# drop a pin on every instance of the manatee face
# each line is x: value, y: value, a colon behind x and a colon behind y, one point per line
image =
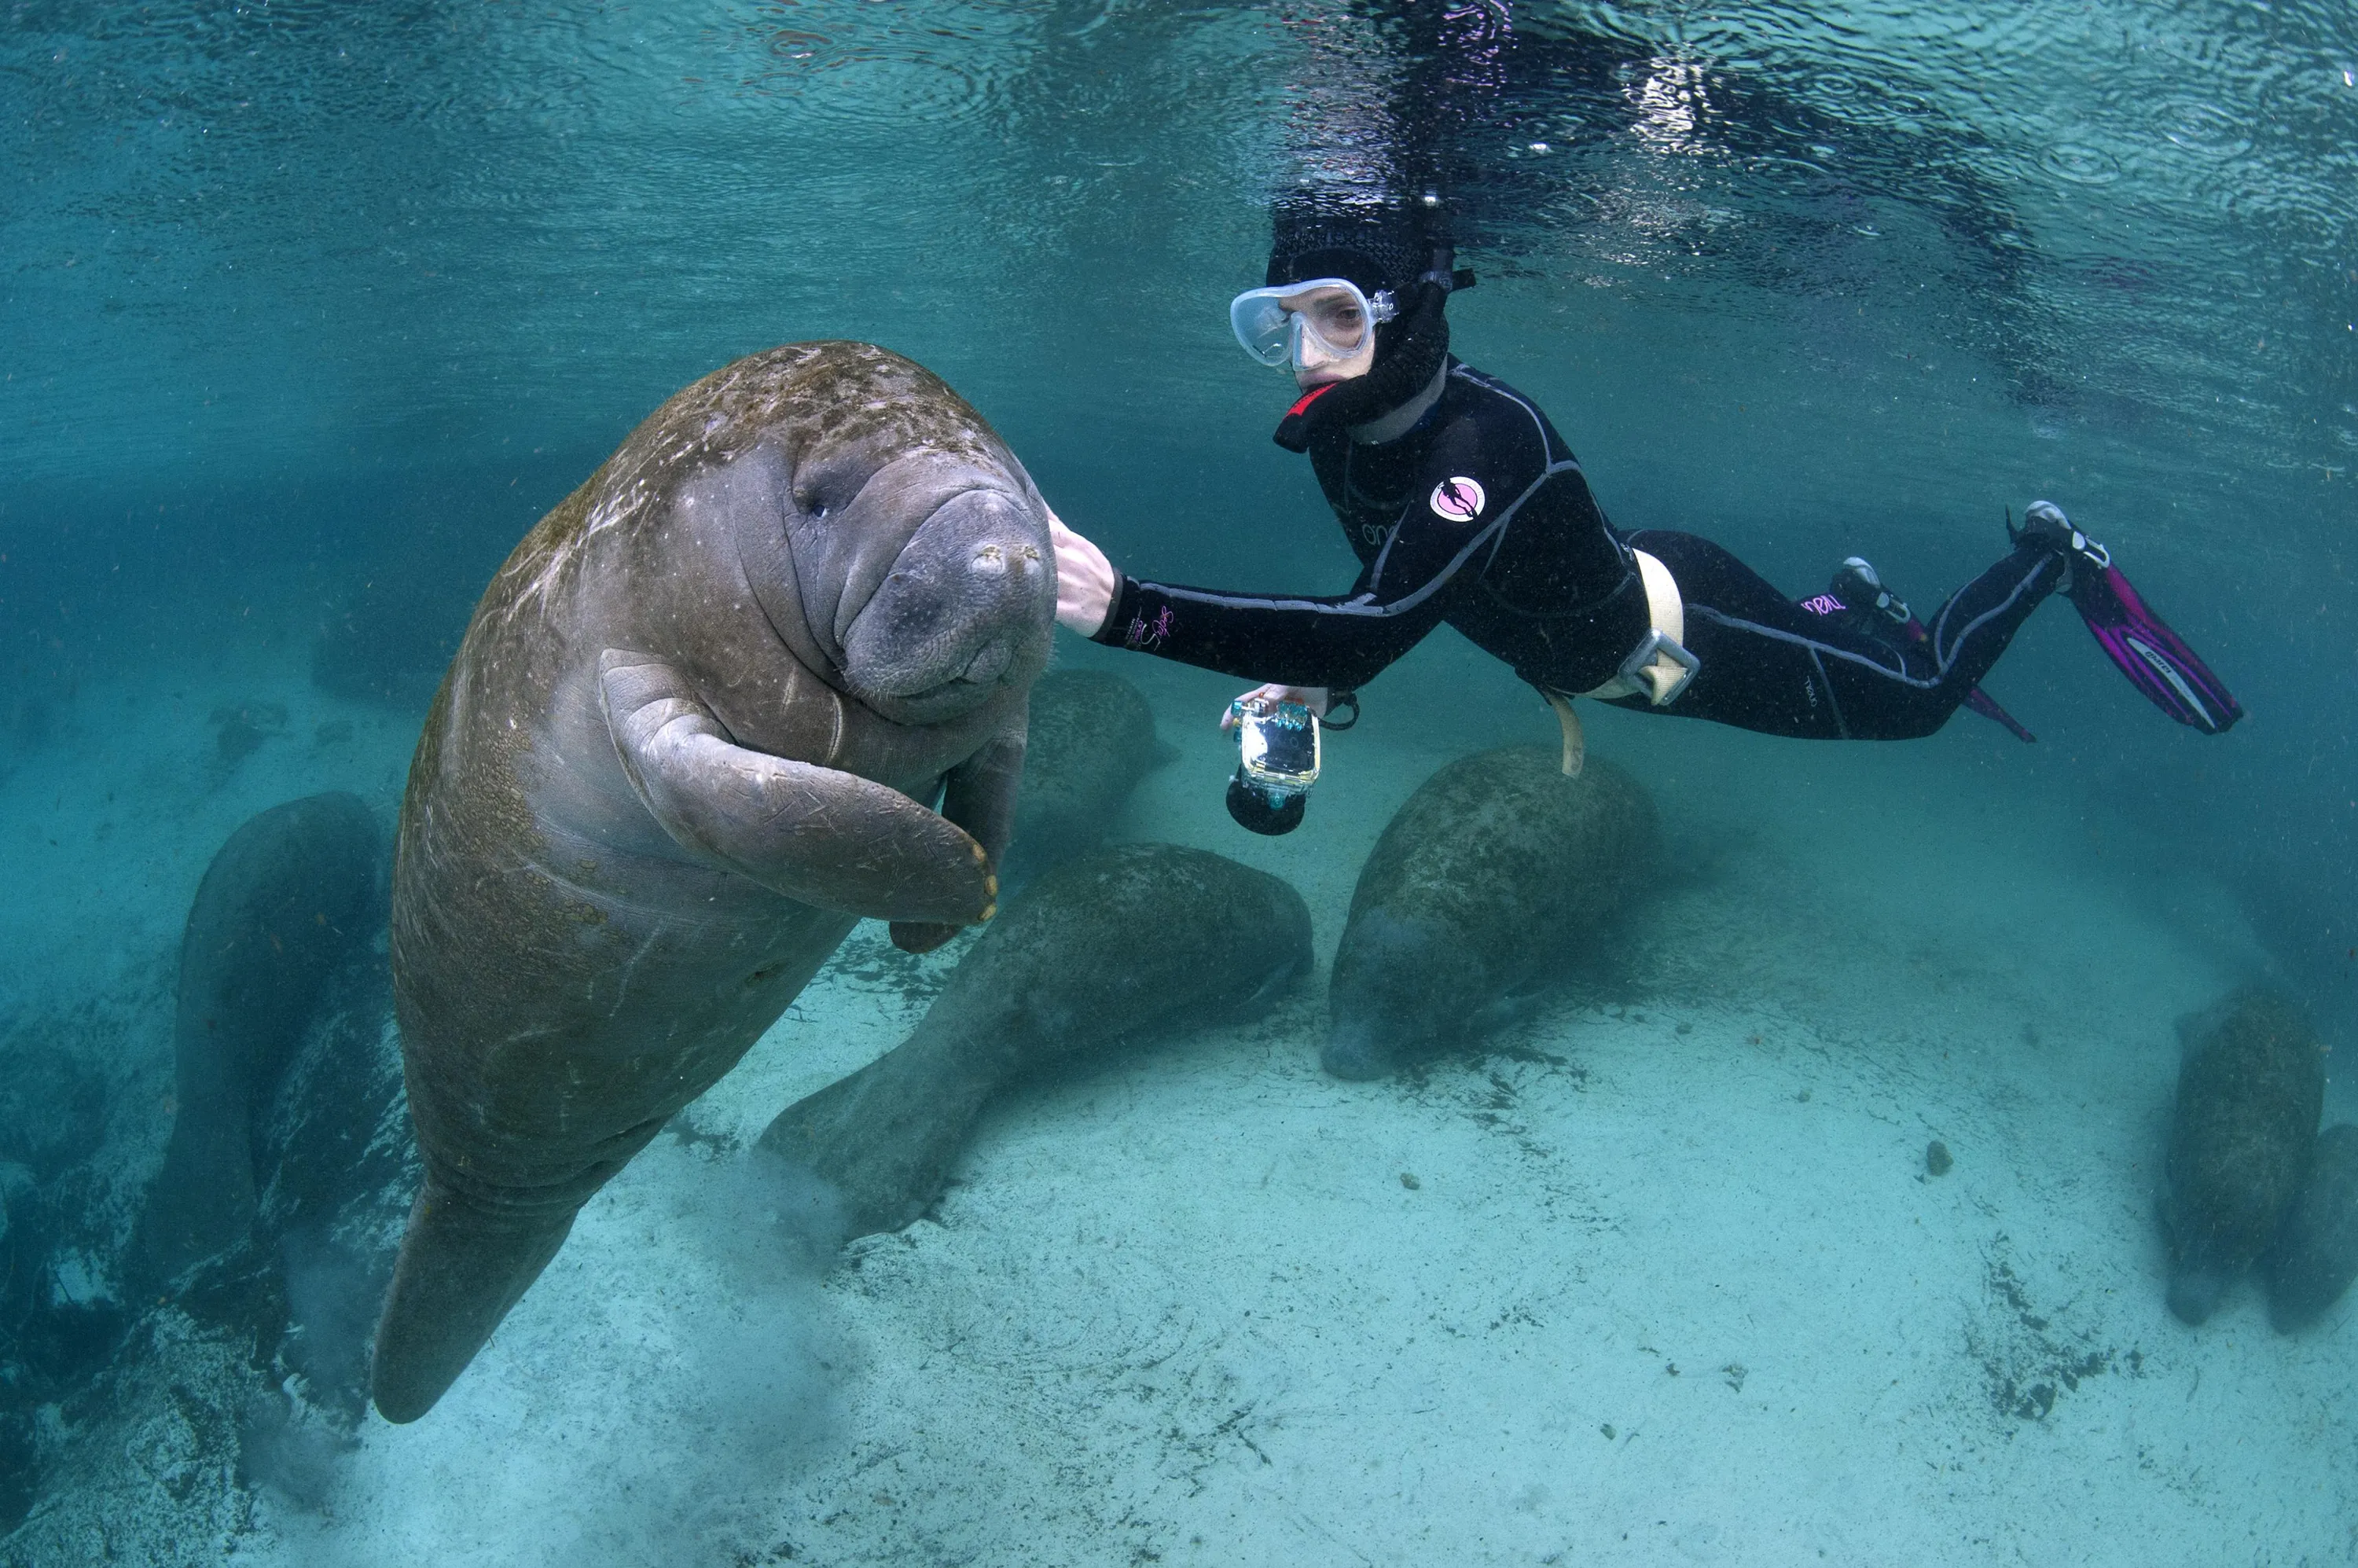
x: 925, y: 575
x: 1402, y: 991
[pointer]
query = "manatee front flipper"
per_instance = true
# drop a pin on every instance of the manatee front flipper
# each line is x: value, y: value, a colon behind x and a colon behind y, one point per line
x: 816, y: 835
x: 981, y: 799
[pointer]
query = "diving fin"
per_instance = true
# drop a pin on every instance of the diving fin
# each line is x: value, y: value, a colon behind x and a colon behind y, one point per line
x: 1981, y: 702
x: 2155, y: 658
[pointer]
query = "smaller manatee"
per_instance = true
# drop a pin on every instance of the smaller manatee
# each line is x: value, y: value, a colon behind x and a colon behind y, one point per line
x: 1132, y: 942
x: 2251, y: 1086
x: 286, y: 898
x: 1493, y: 878
x: 1089, y: 740
x: 2316, y: 1253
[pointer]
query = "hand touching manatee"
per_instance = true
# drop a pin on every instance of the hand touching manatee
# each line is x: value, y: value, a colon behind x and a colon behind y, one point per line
x: 765, y: 674
x: 1086, y: 580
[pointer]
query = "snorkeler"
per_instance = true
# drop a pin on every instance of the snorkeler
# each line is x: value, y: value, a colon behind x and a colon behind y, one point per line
x: 1464, y: 505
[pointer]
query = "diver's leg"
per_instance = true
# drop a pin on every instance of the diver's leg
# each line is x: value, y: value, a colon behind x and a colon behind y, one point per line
x: 1772, y: 665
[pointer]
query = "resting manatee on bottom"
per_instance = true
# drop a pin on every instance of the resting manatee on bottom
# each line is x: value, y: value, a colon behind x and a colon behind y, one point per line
x: 286, y: 897
x: 2251, y: 1086
x: 1089, y: 740
x: 1119, y: 947
x: 695, y: 731
x: 2315, y: 1255
x: 1490, y: 881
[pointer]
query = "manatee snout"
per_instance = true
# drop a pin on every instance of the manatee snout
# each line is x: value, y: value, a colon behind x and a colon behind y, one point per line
x: 967, y: 606
x: 1392, y: 997
x: 1356, y: 1052
x: 2195, y: 1293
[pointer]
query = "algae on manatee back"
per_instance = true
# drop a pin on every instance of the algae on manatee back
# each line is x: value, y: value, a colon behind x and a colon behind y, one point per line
x: 1492, y: 879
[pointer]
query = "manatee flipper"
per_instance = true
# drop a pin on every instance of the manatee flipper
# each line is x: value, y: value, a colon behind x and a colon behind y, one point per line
x: 884, y: 1139
x: 816, y: 835
x: 980, y: 798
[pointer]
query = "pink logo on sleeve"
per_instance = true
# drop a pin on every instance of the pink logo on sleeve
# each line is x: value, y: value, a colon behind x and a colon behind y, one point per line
x: 1458, y: 500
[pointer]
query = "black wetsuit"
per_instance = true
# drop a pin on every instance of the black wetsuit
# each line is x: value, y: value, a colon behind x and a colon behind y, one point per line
x: 1478, y: 515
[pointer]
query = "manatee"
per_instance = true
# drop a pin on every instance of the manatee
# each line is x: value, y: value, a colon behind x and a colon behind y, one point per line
x: 1493, y: 878
x: 1128, y: 943
x: 287, y: 899
x: 2251, y: 1086
x: 697, y: 727
x: 1090, y: 739
x: 2316, y: 1253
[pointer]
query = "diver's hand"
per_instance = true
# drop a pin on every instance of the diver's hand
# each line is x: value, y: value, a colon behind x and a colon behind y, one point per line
x: 1313, y: 697
x: 1086, y: 580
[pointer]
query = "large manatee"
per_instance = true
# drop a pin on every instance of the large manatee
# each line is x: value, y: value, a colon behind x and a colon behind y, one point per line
x: 1495, y: 877
x: 697, y: 727
x: 1121, y: 947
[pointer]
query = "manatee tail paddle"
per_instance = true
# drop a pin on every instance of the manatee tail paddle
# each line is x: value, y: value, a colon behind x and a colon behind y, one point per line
x: 2155, y: 658
x: 886, y: 1138
x: 461, y: 1268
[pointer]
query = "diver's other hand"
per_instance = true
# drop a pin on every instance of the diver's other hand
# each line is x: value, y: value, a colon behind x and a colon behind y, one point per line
x: 1313, y: 697
x: 1086, y: 580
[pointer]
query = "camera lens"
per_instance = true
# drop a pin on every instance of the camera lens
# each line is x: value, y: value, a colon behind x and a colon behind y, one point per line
x: 1259, y: 812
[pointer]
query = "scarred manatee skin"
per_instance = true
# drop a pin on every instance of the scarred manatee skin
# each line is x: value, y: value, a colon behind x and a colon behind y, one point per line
x: 2251, y: 1086
x: 1491, y: 880
x: 1090, y: 739
x: 1127, y: 944
x: 2316, y: 1253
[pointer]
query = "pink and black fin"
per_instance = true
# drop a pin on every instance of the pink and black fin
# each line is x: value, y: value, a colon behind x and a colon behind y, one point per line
x: 2155, y: 658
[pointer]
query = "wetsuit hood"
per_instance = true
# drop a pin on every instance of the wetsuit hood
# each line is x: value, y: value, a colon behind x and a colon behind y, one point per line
x: 1396, y: 247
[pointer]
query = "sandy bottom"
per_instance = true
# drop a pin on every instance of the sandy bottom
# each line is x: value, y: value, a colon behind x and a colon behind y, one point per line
x: 1661, y: 1276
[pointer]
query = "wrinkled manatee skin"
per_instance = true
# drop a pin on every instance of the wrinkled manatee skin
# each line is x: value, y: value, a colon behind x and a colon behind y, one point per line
x: 1089, y: 740
x: 1119, y: 947
x: 1495, y: 877
x: 765, y: 674
x: 287, y: 897
x: 2316, y: 1253
x: 2251, y: 1086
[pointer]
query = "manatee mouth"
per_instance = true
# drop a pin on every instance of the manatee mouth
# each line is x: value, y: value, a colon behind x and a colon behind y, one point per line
x: 985, y: 669
x: 1356, y: 1052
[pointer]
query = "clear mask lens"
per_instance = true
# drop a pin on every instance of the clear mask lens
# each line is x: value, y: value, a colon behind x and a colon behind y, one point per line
x: 1307, y: 323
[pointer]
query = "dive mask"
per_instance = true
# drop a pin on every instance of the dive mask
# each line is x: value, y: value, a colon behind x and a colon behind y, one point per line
x: 1332, y: 313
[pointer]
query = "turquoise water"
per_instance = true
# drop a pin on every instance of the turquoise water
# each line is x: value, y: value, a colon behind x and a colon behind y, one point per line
x: 310, y: 311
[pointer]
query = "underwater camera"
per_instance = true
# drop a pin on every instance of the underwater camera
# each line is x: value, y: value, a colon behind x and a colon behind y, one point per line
x: 1277, y: 763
